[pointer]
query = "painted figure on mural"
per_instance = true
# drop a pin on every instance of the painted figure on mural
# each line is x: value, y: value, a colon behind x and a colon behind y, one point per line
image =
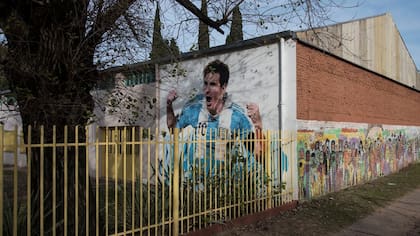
x: 214, y: 108
x: 381, y: 156
x: 355, y: 160
x: 326, y: 156
x: 314, y: 175
x: 321, y: 172
x: 372, y: 174
x: 400, y: 152
x: 365, y: 156
x: 388, y: 157
x: 363, y: 164
x: 333, y: 166
x: 340, y: 165
x: 212, y: 115
x: 348, y: 165
x: 307, y: 175
x: 319, y: 185
x: 301, y: 166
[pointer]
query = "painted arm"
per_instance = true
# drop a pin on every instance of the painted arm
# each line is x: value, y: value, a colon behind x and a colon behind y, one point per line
x: 253, y: 112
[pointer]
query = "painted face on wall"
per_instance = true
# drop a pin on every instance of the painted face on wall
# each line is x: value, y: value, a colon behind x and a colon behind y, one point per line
x: 308, y: 155
x: 333, y: 146
x: 214, y: 93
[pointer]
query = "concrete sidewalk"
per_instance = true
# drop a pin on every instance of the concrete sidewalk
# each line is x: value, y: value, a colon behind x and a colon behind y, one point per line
x: 400, y: 217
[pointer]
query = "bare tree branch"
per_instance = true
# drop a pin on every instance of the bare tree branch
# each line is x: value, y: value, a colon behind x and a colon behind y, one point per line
x: 193, y: 9
x: 106, y: 20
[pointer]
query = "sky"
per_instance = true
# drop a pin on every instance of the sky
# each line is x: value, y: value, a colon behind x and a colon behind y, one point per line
x: 406, y: 15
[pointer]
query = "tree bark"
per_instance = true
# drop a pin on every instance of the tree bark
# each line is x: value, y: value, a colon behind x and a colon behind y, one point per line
x: 50, y: 68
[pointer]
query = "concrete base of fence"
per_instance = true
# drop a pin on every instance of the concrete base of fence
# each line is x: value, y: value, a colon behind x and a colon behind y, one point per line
x: 244, y: 220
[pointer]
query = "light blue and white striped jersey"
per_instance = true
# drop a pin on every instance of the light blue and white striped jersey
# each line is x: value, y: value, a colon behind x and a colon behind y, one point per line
x: 232, y: 118
x: 212, y: 140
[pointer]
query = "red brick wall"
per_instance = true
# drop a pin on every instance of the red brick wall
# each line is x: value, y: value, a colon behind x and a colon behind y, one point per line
x: 330, y: 89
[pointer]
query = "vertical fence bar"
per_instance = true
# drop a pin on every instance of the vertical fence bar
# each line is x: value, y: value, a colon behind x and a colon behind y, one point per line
x: 234, y: 182
x: 207, y: 174
x: 200, y: 179
x: 148, y: 182
x: 247, y: 144
x: 141, y: 180
x: 133, y: 179
x: 285, y: 151
x: 41, y: 184
x: 268, y: 170
x: 1, y: 177
x: 124, y: 156
x: 293, y: 165
x: 255, y: 183
x: 156, y: 185
x: 158, y: 144
x: 76, y: 182
x: 116, y: 151
x: 15, y: 182
x: 277, y: 167
x: 106, y: 179
x: 218, y: 203
x: 176, y: 184
x: 54, y: 157
x: 170, y: 186
x: 226, y: 182
x: 182, y: 197
x: 97, y: 179
x: 66, y: 179
x: 190, y: 188
x: 28, y: 180
x: 227, y: 160
x: 243, y: 172
x: 87, y: 178
x: 194, y: 181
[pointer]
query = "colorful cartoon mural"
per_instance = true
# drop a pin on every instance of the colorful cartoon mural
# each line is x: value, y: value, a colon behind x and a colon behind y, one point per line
x: 330, y: 159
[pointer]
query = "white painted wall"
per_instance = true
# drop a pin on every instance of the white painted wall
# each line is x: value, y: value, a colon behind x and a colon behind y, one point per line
x: 289, y: 110
x: 11, y: 121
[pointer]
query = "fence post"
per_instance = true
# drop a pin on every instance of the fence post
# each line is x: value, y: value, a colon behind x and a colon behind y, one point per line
x: 175, y: 189
x: 1, y: 176
x: 28, y: 181
x: 268, y: 169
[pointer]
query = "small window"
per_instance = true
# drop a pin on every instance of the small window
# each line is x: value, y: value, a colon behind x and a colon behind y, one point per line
x: 135, y: 78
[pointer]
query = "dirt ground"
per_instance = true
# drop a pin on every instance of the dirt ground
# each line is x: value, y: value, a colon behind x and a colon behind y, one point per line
x: 335, y: 213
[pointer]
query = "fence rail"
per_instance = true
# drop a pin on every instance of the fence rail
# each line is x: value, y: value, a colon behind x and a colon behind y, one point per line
x: 136, y: 181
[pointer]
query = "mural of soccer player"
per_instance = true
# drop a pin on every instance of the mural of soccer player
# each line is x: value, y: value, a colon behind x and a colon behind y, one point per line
x: 213, y: 116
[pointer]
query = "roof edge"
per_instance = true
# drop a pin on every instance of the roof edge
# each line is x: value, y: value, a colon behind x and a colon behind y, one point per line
x: 240, y: 45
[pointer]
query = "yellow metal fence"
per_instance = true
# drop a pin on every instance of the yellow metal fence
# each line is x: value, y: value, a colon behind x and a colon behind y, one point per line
x: 136, y: 181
